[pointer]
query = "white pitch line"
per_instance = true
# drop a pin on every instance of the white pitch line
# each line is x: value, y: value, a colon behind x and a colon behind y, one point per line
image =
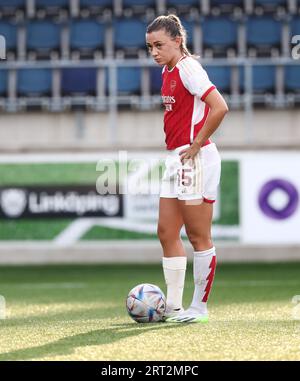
x: 257, y: 283
x: 73, y: 232
x: 78, y: 228
x: 44, y: 285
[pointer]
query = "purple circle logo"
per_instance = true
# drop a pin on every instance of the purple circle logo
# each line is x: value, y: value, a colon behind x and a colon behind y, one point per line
x: 291, y: 205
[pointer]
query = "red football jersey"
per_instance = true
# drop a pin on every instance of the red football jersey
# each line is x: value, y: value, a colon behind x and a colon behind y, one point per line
x: 183, y: 91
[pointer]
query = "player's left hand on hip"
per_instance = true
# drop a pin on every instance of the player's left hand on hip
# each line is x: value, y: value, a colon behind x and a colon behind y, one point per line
x: 188, y: 153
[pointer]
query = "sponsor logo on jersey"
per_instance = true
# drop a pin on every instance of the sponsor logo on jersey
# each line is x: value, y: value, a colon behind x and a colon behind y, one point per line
x: 168, y: 99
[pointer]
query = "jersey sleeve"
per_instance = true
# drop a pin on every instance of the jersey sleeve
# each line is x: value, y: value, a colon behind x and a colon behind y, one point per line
x: 195, y: 78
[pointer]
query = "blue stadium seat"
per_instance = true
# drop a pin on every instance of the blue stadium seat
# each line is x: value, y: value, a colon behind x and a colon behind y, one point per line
x: 227, y: 6
x: 263, y: 33
x: 175, y: 3
x: 9, y: 7
x: 183, y: 3
x: 95, y: 3
x: 219, y: 34
x: 226, y: 2
x: 292, y: 78
x: 144, y: 3
x: 263, y: 79
x: 79, y: 81
x: 189, y: 27
x: 52, y: 6
x: 34, y: 82
x: 270, y: 5
x: 271, y: 2
x: 9, y: 31
x: 129, y: 80
x: 295, y: 26
x: 184, y: 7
x: 87, y: 36
x: 12, y: 3
x: 155, y: 79
x: 51, y: 3
x: 96, y: 6
x: 3, y: 82
x: 220, y: 76
x: 129, y: 35
x: 139, y: 6
x: 43, y: 37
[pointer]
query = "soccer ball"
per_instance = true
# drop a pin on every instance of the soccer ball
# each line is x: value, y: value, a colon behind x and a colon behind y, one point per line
x: 146, y: 303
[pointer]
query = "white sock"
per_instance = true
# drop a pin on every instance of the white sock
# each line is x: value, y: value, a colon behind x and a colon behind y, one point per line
x: 174, y: 271
x: 204, y: 272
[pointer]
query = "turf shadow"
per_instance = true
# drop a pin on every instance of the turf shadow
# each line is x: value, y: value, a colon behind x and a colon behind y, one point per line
x: 67, y: 345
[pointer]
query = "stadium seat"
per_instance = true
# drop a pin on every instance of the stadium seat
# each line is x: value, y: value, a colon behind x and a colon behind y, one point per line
x: 226, y: 6
x: 263, y: 79
x: 52, y: 7
x: 220, y: 76
x: 295, y: 26
x: 270, y: 6
x: 95, y: 3
x: 182, y: 6
x: 43, y: 37
x: 189, y: 27
x: 292, y: 78
x: 34, y: 82
x: 295, y: 31
x: 263, y: 34
x: 10, y: 7
x: 129, y: 36
x: 79, y: 81
x: 155, y: 80
x: 128, y: 80
x: 87, y: 36
x: 3, y: 82
x: 139, y: 6
x: 9, y: 31
x: 96, y: 7
x: 219, y: 34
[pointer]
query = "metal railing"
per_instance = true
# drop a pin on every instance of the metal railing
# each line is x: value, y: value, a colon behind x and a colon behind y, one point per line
x: 111, y: 100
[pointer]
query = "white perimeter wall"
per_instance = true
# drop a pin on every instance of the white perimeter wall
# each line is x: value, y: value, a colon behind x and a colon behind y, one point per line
x: 90, y: 131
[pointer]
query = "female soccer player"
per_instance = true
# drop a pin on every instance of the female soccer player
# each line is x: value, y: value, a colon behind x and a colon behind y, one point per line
x: 194, y: 109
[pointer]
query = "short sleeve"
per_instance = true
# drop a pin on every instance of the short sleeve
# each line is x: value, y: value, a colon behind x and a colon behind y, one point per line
x: 195, y: 78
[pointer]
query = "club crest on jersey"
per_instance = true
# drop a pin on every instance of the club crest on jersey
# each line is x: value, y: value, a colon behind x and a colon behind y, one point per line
x: 172, y: 85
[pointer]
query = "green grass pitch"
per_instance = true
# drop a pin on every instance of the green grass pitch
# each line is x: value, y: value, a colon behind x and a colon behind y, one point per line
x: 78, y: 313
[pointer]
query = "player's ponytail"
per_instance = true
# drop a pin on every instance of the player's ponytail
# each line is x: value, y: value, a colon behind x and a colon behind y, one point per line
x: 173, y: 27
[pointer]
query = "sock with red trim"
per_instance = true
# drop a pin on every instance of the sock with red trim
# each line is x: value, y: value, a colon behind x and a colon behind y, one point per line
x: 204, y: 272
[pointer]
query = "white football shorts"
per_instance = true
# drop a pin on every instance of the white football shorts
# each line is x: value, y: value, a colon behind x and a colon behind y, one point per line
x: 196, y: 179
